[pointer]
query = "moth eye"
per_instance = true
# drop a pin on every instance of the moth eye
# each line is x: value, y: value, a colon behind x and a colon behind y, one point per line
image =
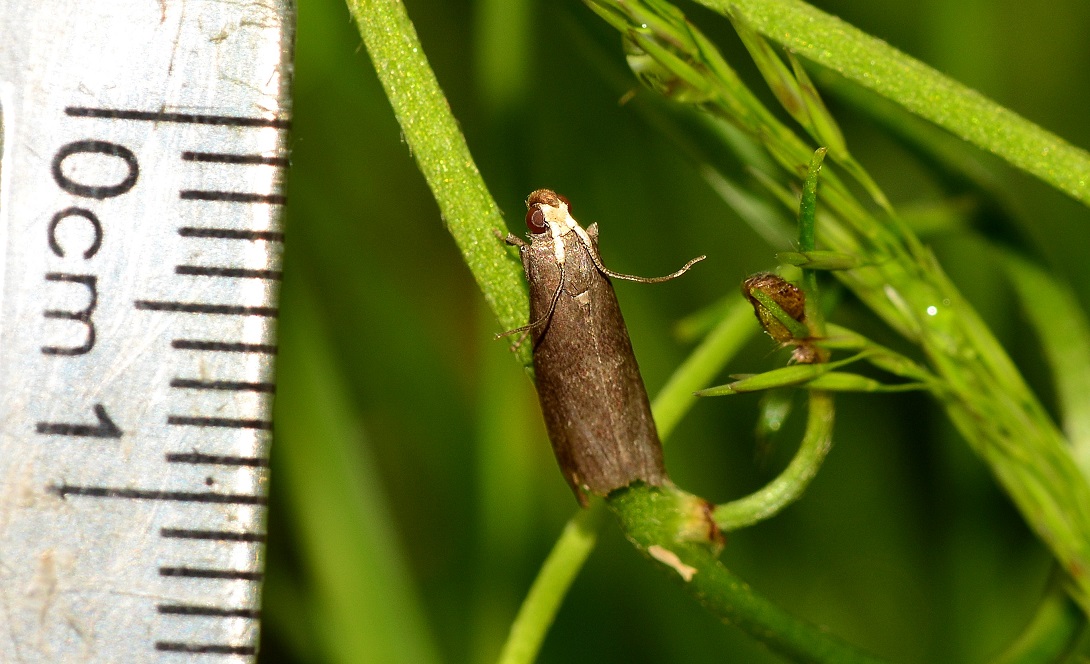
x: 565, y: 201
x: 535, y: 220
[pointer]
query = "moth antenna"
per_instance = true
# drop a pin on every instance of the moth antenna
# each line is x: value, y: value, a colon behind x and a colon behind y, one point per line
x: 631, y: 277
x: 526, y: 329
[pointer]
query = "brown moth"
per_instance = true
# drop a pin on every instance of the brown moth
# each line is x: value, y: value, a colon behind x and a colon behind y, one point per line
x: 592, y: 396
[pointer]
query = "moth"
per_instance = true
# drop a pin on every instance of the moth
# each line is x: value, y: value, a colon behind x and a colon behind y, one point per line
x: 592, y: 396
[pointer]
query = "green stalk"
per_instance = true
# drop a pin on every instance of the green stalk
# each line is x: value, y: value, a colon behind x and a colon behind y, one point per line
x: 441, y: 153
x: 792, y: 482
x: 983, y: 392
x: 1064, y: 333
x: 1053, y: 631
x: 874, y: 64
x: 557, y: 573
x: 363, y: 596
x: 722, y: 343
x: 816, y: 442
x: 660, y: 523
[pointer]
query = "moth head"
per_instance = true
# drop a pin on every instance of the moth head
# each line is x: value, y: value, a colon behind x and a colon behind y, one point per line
x: 545, y: 208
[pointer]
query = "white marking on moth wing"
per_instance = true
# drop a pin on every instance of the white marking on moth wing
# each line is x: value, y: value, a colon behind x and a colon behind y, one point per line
x: 670, y: 559
x: 558, y: 232
x: 583, y: 299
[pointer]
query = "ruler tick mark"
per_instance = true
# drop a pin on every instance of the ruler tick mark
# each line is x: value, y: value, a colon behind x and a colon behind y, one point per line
x: 230, y: 234
x: 221, y: 422
x: 216, y: 459
x: 184, y: 118
x: 227, y: 158
x: 222, y: 346
x: 234, y: 272
x: 205, y: 308
x: 232, y: 196
x: 66, y: 490
x: 206, y: 611
x: 228, y: 385
x: 211, y: 535
x: 204, y: 648
x: 206, y: 573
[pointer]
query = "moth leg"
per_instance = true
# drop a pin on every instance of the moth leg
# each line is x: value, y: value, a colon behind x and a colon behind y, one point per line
x: 511, y: 239
x: 544, y: 320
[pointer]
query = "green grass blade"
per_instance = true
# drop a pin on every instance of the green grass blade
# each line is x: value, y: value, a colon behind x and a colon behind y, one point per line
x: 1053, y: 631
x: 1064, y: 332
x: 792, y: 482
x: 676, y: 397
x: 441, y: 152
x: 550, y: 587
x: 363, y: 595
x: 874, y: 64
x: 651, y: 518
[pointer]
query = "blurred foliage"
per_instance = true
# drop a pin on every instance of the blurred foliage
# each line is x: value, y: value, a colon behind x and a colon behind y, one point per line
x: 413, y: 491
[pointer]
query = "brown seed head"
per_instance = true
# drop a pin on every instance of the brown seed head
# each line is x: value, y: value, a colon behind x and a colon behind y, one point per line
x: 784, y: 293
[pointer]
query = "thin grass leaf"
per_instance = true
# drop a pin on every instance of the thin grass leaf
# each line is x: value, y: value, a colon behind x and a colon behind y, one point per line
x: 726, y: 339
x: 778, y: 77
x: 980, y: 388
x: 442, y: 154
x: 1063, y: 329
x: 819, y: 260
x: 553, y: 580
x: 827, y: 132
x: 364, y: 596
x: 782, y: 377
x: 790, y: 484
x: 758, y: 214
x: 837, y: 381
x: 874, y: 64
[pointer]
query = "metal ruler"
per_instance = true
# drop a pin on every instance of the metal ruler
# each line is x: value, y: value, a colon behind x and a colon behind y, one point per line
x: 141, y: 195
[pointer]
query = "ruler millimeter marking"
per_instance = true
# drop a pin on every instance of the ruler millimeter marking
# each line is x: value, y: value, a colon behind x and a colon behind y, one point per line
x: 142, y: 162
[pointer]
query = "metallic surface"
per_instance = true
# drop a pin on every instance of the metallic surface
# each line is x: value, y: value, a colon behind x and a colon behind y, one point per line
x: 141, y: 191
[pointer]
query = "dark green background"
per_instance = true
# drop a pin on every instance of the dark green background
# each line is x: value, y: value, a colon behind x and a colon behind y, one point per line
x: 413, y: 491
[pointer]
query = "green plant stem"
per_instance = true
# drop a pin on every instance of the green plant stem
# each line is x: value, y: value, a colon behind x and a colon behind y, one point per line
x: 659, y: 520
x: 874, y: 64
x: 362, y: 593
x: 554, y: 578
x: 1064, y: 333
x: 815, y: 320
x: 808, y: 203
x: 1057, y: 623
x: 723, y: 342
x: 818, y: 438
x: 1052, y: 632
x: 441, y: 153
x: 983, y: 392
x: 792, y: 482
